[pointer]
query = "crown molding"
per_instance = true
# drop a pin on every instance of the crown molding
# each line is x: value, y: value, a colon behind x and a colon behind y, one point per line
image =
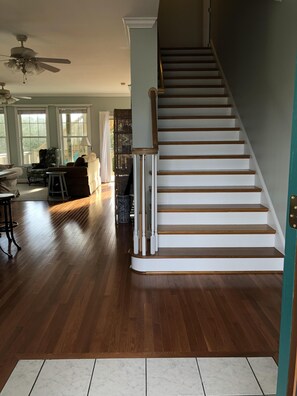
x: 137, y: 23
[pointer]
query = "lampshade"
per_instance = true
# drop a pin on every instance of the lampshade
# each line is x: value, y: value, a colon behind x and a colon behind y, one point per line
x: 85, y: 141
x: 4, y: 100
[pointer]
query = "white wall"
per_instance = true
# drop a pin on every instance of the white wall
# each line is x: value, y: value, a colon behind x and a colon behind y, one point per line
x: 256, y: 41
x: 180, y: 23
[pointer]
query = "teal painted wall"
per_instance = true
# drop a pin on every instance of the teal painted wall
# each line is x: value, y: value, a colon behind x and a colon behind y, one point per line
x: 289, y: 267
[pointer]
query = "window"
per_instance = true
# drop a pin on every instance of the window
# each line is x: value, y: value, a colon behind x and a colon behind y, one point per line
x: 33, y: 133
x: 73, y: 127
x: 3, y: 139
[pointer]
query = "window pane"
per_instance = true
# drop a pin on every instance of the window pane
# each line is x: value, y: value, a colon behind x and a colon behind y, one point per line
x: 31, y: 147
x: 34, y: 135
x: 73, y: 128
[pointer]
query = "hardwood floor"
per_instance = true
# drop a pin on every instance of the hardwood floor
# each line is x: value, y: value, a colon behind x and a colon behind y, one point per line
x: 70, y: 293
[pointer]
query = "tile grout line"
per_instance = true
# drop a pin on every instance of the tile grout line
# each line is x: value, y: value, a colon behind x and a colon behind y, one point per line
x: 199, y: 372
x: 91, y: 379
x: 37, y: 376
x: 145, y: 371
x: 255, y: 376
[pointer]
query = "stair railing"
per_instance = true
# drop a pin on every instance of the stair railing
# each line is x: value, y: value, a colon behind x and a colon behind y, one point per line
x: 161, y: 89
x: 141, y: 226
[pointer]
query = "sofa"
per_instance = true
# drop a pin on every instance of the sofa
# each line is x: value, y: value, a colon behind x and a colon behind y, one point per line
x: 8, y: 184
x: 83, y: 179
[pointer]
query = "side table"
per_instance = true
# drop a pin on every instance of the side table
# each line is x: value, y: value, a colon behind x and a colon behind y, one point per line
x: 57, y: 185
x: 8, y: 224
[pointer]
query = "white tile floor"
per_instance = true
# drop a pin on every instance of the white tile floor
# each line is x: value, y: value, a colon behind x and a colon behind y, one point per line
x: 144, y: 377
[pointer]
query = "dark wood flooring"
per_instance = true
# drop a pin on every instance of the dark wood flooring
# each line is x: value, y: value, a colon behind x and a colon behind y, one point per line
x: 70, y: 293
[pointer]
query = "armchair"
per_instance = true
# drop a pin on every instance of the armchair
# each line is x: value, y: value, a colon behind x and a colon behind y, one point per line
x: 47, y: 158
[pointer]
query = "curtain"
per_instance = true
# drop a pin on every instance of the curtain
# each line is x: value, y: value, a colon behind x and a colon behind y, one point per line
x: 105, y: 160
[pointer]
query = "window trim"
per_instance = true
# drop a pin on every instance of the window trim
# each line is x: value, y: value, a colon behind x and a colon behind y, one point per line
x: 19, y: 128
x: 4, y: 110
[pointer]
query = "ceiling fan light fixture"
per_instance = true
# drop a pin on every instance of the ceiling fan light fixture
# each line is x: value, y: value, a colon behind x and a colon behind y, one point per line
x: 6, y: 98
x: 24, y: 59
x: 7, y: 101
x: 12, y: 64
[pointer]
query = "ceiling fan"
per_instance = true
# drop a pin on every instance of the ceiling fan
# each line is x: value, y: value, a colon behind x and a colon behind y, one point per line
x: 25, y: 60
x: 6, y: 97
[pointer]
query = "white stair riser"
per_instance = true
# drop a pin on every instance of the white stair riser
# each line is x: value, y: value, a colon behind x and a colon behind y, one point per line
x: 201, y: 149
x: 201, y: 164
x: 156, y: 264
x: 197, y: 123
x: 182, y: 136
x: 187, y: 58
x: 187, y: 65
x: 209, y: 198
x: 205, y: 180
x: 189, y: 81
x: 193, y: 101
x: 188, y: 111
x: 195, y: 91
x: 195, y: 51
x: 217, y: 240
x: 191, y: 73
x: 212, y: 218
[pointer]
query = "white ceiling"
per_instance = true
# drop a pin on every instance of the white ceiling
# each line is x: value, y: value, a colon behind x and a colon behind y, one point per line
x: 90, y: 33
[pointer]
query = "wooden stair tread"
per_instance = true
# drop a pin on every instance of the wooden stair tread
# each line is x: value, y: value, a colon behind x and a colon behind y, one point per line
x: 184, y: 96
x: 185, y: 48
x: 184, y: 54
x: 196, y: 86
x: 193, y: 78
x: 198, y: 117
x: 194, y: 229
x: 232, y: 129
x: 208, y: 189
x: 210, y: 106
x: 255, y: 252
x: 193, y: 157
x: 191, y: 69
x: 202, y: 142
x: 188, y: 61
x: 213, y: 208
x: 208, y: 172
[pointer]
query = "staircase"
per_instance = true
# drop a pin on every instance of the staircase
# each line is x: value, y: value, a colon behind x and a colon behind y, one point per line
x: 211, y: 215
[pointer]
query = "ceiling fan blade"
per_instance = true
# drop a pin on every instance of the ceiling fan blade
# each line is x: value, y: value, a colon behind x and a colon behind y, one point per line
x: 53, y: 60
x: 48, y: 67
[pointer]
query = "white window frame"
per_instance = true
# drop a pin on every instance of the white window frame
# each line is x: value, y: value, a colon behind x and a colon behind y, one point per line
x: 27, y: 109
x: 4, y: 112
x: 77, y: 107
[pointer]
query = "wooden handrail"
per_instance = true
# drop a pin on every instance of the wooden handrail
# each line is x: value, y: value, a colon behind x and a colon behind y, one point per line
x: 145, y: 151
x: 161, y: 89
x: 153, y: 92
